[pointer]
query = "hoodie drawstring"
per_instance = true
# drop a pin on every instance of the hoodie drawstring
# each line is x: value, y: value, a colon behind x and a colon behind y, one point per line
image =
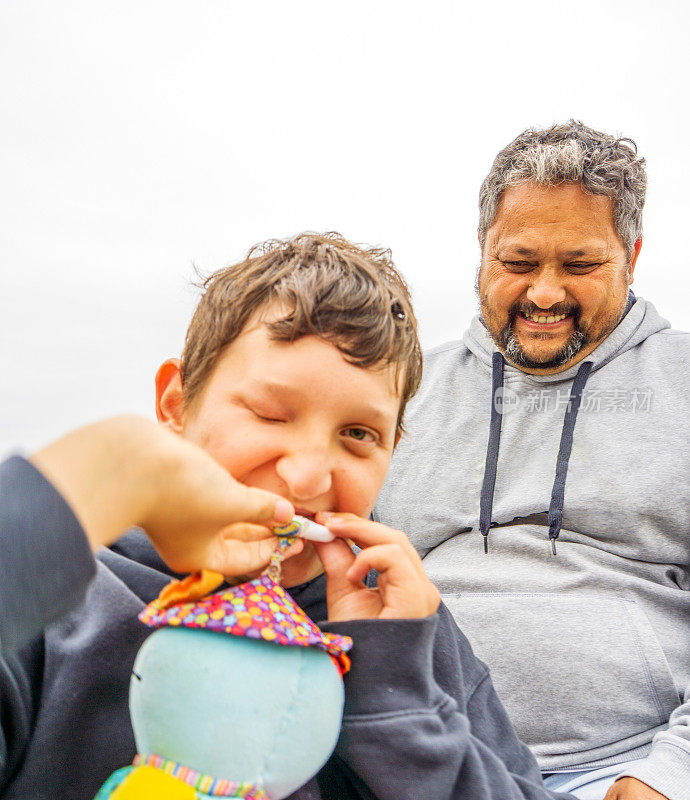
x: 486, y: 500
x: 564, y: 450
x: 555, y: 517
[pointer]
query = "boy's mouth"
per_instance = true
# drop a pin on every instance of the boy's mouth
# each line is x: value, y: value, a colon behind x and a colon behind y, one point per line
x: 303, y: 512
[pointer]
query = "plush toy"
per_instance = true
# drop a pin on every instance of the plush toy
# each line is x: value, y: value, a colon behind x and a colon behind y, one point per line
x: 236, y: 694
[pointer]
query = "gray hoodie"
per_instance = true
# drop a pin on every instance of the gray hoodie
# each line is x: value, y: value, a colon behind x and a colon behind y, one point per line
x: 589, y: 648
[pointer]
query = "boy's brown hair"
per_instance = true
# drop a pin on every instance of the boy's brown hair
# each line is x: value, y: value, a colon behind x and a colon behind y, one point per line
x: 350, y: 296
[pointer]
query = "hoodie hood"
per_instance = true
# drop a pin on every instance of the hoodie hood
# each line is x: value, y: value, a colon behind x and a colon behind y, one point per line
x: 641, y: 321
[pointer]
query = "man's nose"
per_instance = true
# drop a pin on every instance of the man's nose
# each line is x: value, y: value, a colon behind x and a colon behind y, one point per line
x: 306, y: 473
x: 546, y: 289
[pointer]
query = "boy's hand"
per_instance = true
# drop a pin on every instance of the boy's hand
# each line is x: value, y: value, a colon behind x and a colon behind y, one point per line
x: 403, y: 589
x: 128, y: 471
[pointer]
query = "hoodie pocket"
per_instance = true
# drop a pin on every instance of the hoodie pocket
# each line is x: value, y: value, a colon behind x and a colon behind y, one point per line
x: 582, y: 677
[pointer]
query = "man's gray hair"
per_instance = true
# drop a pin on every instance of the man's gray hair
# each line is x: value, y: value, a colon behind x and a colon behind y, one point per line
x: 571, y: 152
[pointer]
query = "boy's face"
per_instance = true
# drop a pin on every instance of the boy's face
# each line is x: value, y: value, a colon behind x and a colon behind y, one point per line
x: 297, y: 419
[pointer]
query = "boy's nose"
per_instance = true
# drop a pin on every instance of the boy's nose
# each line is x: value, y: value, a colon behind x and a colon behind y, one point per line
x: 307, y: 474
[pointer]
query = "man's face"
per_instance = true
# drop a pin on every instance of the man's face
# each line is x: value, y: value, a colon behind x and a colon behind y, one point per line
x: 554, y: 277
x: 297, y: 419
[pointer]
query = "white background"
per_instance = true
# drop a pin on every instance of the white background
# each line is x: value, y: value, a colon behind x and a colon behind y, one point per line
x: 140, y: 138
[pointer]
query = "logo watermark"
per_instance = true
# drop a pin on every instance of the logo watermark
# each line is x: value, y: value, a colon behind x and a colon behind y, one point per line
x: 594, y: 401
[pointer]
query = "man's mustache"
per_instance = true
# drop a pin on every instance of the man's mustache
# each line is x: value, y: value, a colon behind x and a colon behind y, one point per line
x: 555, y: 310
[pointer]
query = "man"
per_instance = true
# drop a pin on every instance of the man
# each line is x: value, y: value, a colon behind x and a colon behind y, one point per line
x: 544, y: 475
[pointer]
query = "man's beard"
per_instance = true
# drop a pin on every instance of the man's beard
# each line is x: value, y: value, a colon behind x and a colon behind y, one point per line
x: 515, y: 353
x: 583, y: 335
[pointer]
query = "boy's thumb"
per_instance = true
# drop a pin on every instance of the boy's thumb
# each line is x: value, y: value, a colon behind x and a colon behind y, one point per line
x: 260, y: 506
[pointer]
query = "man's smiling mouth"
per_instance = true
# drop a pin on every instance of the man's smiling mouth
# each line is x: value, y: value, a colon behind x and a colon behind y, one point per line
x: 544, y: 319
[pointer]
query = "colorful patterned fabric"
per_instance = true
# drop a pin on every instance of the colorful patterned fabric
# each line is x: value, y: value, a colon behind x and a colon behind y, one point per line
x: 155, y: 778
x: 209, y: 786
x: 260, y: 609
x: 148, y: 783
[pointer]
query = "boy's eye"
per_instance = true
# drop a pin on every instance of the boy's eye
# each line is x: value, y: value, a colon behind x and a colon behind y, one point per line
x: 269, y: 419
x: 264, y: 412
x: 359, y: 434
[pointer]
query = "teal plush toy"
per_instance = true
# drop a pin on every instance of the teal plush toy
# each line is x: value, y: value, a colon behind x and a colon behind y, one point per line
x: 237, y: 694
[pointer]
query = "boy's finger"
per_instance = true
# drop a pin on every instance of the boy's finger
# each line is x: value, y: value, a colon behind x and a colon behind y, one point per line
x: 362, y: 530
x: 365, y: 534
x: 294, y: 549
x: 247, y: 532
x: 257, y: 505
x: 403, y: 592
x: 250, y: 558
x: 236, y: 558
x: 385, y: 558
x: 336, y: 557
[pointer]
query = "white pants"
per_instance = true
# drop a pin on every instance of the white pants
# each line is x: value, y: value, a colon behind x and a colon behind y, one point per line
x: 587, y: 784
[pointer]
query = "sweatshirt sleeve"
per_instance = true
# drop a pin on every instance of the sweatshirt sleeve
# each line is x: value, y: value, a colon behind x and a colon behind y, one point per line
x: 667, y: 768
x: 46, y: 563
x: 403, y: 735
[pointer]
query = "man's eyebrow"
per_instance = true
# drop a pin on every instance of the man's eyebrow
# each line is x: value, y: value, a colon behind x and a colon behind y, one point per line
x: 593, y: 252
x: 519, y: 251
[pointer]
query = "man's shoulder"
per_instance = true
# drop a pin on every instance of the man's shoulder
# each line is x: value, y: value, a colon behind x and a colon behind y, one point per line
x: 672, y: 335
x: 444, y: 359
x: 448, y: 369
x: 445, y: 351
x: 668, y: 346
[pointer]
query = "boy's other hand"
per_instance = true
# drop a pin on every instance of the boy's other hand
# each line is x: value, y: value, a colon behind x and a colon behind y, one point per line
x: 403, y: 590
x: 129, y: 471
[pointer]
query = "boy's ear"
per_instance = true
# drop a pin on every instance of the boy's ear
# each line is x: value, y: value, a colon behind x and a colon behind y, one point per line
x: 398, y: 437
x: 169, y: 397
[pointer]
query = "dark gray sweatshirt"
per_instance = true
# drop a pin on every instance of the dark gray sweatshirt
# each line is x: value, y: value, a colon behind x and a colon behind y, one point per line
x: 421, y: 716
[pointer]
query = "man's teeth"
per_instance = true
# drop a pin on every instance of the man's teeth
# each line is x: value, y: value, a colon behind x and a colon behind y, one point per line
x: 542, y: 318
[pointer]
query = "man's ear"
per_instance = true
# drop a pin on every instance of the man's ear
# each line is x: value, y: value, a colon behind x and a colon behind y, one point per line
x: 398, y: 437
x: 169, y: 397
x: 636, y: 252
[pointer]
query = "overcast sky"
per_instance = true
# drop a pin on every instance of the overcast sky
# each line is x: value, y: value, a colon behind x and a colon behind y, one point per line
x: 138, y: 139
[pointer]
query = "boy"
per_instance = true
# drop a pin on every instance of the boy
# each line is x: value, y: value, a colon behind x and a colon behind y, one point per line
x: 294, y: 378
